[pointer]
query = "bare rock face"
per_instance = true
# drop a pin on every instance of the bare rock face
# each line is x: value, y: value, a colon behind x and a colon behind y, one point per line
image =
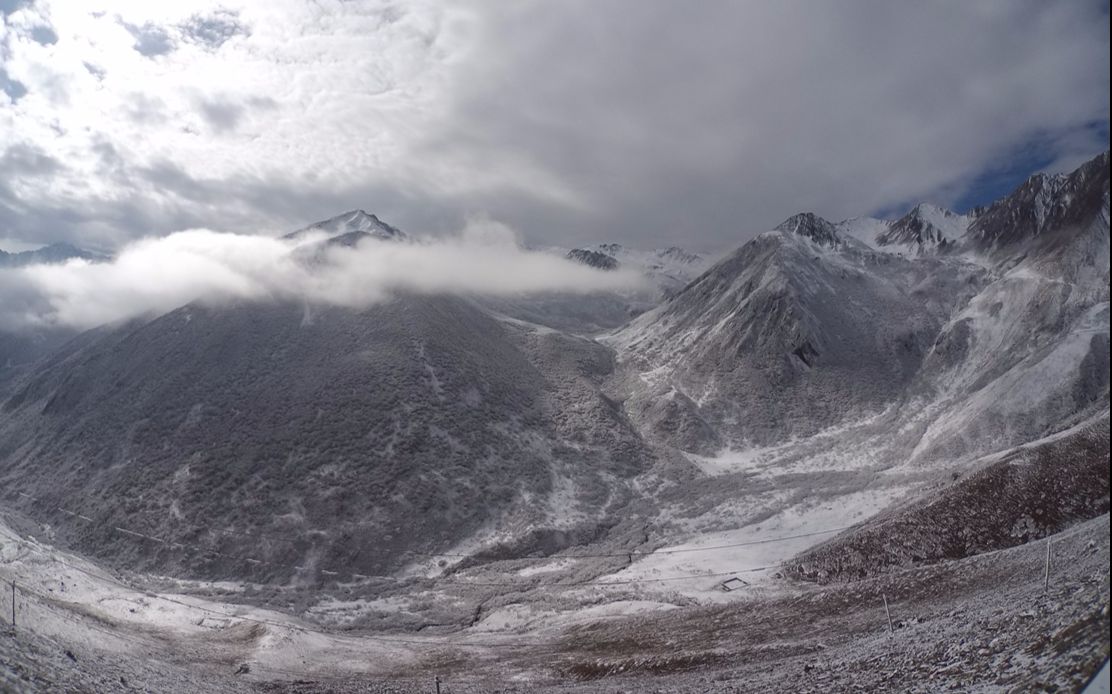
x: 811, y: 226
x: 1045, y: 204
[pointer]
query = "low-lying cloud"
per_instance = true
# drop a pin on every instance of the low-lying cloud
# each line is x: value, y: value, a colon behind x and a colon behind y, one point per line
x: 155, y: 275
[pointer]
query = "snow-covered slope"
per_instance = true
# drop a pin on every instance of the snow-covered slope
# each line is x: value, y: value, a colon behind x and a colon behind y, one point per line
x: 925, y: 230
x: 794, y: 331
x: 804, y: 327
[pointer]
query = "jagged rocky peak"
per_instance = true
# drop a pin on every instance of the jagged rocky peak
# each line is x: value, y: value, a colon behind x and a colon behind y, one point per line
x: 812, y: 226
x: 1045, y: 202
x: 926, y: 227
x: 595, y: 259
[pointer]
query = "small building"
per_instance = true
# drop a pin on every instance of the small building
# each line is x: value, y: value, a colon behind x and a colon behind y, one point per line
x: 732, y: 584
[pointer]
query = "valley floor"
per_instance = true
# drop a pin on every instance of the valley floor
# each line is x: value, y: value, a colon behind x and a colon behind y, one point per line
x: 984, y: 623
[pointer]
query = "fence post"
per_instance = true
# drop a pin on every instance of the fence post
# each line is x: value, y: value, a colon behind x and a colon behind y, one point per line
x: 1046, y: 572
x: 13, y: 604
x: 438, y: 684
x: 887, y: 612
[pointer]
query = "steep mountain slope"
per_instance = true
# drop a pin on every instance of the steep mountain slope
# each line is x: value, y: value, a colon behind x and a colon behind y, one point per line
x: 353, y: 436
x: 1029, y: 353
x: 795, y: 331
x: 1062, y: 204
x: 979, y: 345
x: 1023, y: 494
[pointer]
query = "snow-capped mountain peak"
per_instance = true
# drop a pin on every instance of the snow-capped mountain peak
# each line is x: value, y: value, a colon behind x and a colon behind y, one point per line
x: 812, y: 226
x: 924, y: 229
x: 350, y: 227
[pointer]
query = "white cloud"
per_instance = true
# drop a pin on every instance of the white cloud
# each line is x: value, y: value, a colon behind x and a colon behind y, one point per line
x: 640, y: 121
x: 155, y: 275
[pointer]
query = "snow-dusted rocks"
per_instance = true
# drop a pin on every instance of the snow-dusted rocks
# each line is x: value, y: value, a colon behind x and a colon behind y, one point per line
x: 784, y: 337
x: 1045, y: 204
x: 811, y: 226
x: 925, y: 229
x: 594, y: 259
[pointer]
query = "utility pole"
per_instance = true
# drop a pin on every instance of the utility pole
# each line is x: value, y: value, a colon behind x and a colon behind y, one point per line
x: 438, y: 684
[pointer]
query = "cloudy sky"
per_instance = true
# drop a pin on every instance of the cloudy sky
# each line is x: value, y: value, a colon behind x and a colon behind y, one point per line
x: 573, y: 121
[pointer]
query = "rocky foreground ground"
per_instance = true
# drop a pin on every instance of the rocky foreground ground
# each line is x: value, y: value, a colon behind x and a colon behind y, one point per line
x: 984, y: 623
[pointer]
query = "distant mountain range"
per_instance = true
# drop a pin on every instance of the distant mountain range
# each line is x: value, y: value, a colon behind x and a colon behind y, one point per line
x: 50, y: 254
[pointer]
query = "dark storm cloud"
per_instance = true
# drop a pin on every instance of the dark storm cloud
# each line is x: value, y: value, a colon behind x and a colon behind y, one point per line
x: 719, y: 119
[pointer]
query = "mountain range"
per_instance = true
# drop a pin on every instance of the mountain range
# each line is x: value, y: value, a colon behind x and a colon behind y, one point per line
x: 829, y: 355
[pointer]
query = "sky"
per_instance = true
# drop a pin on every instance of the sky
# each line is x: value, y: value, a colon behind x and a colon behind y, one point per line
x: 644, y: 122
